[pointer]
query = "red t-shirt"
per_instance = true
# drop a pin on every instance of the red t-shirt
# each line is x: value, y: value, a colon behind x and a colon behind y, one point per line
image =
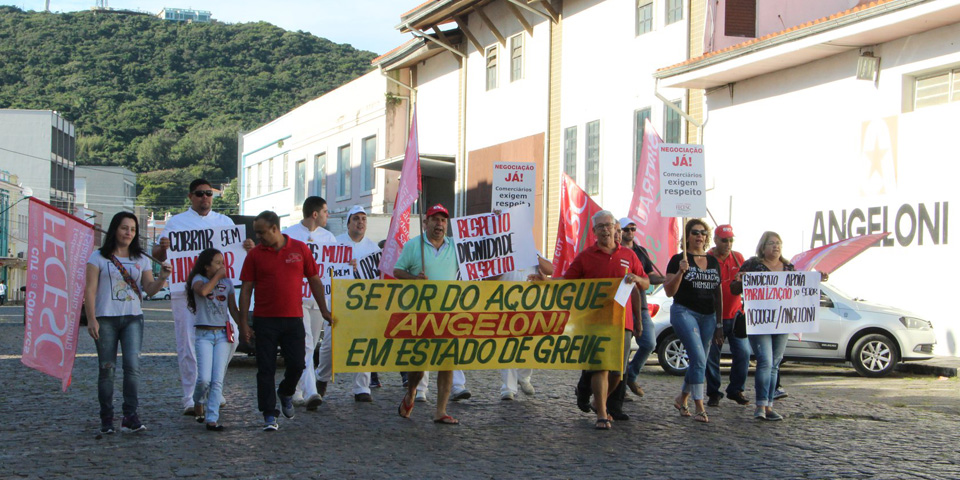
x: 279, y: 277
x: 728, y: 273
x: 593, y: 262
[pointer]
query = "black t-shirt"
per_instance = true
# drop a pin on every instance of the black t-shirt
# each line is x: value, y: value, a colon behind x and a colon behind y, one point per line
x: 647, y: 267
x: 697, y: 287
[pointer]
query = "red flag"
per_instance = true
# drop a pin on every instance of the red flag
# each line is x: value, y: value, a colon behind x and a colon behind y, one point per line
x: 828, y: 258
x: 59, y: 246
x: 574, y: 231
x: 659, y: 235
x: 407, y: 194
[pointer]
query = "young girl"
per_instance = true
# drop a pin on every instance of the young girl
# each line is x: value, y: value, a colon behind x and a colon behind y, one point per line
x: 116, y: 275
x: 210, y: 297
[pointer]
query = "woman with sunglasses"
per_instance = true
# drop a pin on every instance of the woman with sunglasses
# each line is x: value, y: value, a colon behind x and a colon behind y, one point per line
x: 694, y: 283
x: 117, y: 273
x: 768, y: 349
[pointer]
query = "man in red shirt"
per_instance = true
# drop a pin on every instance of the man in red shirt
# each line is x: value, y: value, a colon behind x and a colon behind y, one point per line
x: 277, y: 266
x: 608, y: 259
x: 730, y: 262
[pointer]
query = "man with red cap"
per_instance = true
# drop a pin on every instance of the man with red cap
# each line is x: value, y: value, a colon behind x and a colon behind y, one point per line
x: 430, y: 256
x: 730, y: 262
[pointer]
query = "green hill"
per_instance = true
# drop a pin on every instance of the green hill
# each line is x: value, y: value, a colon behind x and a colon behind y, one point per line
x: 164, y: 99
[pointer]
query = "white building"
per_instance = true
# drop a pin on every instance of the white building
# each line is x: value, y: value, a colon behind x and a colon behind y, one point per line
x: 105, y: 189
x: 840, y: 127
x: 328, y: 148
x: 39, y: 147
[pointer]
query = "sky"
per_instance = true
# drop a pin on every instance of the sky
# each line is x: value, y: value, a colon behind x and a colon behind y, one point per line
x: 365, y: 24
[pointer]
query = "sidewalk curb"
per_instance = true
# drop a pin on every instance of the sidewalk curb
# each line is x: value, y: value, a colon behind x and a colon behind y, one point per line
x: 941, y: 367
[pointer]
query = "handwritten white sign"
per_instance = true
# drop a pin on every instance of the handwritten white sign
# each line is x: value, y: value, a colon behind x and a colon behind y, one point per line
x: 186, y: 245
x: 782, y: 302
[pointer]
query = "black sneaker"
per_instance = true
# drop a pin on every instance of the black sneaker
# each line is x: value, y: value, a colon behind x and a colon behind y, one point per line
x: 131, y: 424
x: 363, y: 397
x: 583, y: 400
x: 619, y: 416
x: 286, y: 406
x: 739, y: 397
x: 106, y: 426
x: 375, y: 380
x: 714, y: 400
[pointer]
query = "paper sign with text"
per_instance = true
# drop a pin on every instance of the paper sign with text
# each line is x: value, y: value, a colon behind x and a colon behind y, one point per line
x: 413, y: 326
x: 683, y: 184
x: 333, y: 261
x: 781, y: 302
x: 492, y: 244
x: 368, y: 268
x: 186, y: 245
x: 514, y: 184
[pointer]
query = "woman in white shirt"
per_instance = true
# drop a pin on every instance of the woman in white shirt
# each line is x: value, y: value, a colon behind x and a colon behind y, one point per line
x: 117, y: 273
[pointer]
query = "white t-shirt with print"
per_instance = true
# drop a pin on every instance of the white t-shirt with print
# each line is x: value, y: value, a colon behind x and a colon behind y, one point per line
x: 114, y: 296
x: 191, y: 220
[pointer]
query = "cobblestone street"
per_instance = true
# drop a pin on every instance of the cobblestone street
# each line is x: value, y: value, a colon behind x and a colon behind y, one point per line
x: 838, y: 425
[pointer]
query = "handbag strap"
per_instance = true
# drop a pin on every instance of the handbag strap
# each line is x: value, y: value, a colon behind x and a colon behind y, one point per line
x: 126, y: 276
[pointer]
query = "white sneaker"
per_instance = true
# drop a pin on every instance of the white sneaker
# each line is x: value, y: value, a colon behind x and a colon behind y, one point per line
x: 298, y: 399
x: 421, y: 397
x: 508, y: 396
x: 780, y: 393
x: 527, y: 388
x: 313, y: 402
x: 457, y: 395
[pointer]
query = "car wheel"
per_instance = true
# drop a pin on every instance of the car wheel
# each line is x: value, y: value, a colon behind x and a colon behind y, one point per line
x: 874, y: 356
x: 166, y: 297
x: 672, y: 356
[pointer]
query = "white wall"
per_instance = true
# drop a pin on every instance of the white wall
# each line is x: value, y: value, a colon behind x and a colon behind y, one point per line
x: 27, y: 132
x: 438, y: 87
x: 814, y: 139
x: 607, y: 76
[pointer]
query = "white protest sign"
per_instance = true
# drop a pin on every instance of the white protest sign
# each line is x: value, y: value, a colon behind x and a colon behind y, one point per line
x: 514, y: 184
x: 333, y: 261
x: 186, y: 245
x: 782, y: 302
x: 682, y: 181
x: 493, y: 244
x: 368, y: 268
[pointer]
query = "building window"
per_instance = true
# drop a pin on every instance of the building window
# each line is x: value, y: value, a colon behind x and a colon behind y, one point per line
x: 491, y: 55
x: 570, y: 152
x: 644, y: 17
x: 320, y: 175
x: 286, y: 171
x: 936, y: 89
x: 740, y: 20
x: 343, y: 172
x: 674, y: 11
x: 640, y: 118
x: 269, y: 175
x: 300, y: 187
x: 516, y: 57
x: 259, y: 178
x: 592, y: 157
x: 671, y: 125
x: 249, y: 181
x: 368, y: 155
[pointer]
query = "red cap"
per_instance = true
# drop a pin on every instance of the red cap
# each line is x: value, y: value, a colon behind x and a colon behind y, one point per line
x: 723, y: 231
x: 437, y: 209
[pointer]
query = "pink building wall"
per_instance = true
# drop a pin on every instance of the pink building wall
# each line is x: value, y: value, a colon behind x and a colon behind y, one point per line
x: 772, y: 16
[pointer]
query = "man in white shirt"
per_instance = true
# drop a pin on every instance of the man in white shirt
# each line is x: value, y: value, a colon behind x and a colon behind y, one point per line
x: 310, y: 231
x: 362, y: 246
x: 199, y: 216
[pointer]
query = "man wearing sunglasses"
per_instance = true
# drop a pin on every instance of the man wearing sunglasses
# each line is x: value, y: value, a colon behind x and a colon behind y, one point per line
x: 199, y: 216
x: 730, y: 262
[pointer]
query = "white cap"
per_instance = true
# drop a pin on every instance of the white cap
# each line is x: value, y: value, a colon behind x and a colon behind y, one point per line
x: 625, y: 221
x: 355, y: 209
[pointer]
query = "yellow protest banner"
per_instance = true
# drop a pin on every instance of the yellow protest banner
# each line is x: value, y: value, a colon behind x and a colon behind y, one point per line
x: 392, y: 326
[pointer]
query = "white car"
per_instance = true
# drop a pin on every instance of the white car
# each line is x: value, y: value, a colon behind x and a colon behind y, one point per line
x: 162, y: 294
x: 874, y: 338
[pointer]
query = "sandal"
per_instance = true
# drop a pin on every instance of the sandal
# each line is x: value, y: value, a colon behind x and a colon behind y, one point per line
x: 446, y: 420
x: 701, y: 416
x: 682, y: 408
x: 404, y: 411
x: 603, y: 424
x: 198, y: 411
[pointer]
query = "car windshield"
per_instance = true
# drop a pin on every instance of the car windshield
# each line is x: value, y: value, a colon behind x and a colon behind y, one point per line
x: 842, y: 293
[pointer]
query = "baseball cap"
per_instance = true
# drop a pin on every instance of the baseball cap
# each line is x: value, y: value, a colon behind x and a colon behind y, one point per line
x: 626, y: 221
x: 723, y: 231
x: 438, y: 209
x: 354, y: 210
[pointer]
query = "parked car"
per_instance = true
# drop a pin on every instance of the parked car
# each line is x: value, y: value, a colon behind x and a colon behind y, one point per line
x: 163, y: 294
x: 874, y: 338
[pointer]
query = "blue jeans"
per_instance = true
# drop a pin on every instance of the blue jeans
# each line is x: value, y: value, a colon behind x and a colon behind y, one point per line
x: 127, y: 331
x: 213, y: 355
x: 645, y: 346
x: 769, y: 352
x: 740, y: 348
x: 696, y: 332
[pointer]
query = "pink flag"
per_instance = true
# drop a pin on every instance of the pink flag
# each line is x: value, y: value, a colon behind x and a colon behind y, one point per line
x: 407, y: 194
x: 830, y: 257
x: 659, y: 235
x: 574, y: 232
x: 59, y: 246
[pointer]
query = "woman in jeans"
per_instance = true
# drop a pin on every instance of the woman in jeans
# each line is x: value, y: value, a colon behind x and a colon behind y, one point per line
x: 768, y: 349
x: 694, y: 284
x: 117, y: 273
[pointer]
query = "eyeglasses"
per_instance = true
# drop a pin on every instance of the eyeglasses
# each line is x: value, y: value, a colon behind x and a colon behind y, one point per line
x: 200, y: 193
x: 700, y: 233
x: 605, y: 225
x: 630, y: 229
x: 726, y: 240
x: 773, y: 244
